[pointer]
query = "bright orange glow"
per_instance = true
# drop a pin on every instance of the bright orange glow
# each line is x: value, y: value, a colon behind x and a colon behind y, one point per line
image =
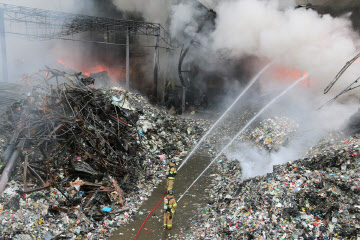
x: 286, y: 74
x: 115, y: 74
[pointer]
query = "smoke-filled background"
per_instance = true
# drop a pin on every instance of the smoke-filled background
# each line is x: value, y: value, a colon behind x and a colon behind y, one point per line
x: 233, y: 46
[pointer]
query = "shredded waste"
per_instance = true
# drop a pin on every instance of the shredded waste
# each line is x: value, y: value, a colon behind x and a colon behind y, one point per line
x: 311, y: 198
x: 84, y: 159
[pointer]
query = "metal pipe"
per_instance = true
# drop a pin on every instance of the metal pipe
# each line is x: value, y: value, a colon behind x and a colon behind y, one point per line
x: 8, y: 169
x: 8, y: 152
x: 10, y: 148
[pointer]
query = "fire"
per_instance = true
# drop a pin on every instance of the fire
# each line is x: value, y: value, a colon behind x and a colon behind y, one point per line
x: 87, y: 69
x: 286, y: 74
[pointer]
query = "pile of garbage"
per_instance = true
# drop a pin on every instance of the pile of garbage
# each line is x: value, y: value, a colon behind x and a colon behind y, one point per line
x: 272, y: 133
x: 312, y: 198
x: 87, y: 157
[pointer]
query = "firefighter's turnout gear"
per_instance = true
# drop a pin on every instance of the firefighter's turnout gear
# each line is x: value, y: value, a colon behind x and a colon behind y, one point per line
x: 169, y: 209
x: 171, y: 173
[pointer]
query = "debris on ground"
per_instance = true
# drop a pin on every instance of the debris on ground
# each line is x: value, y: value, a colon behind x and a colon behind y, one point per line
x: 272, y: 133
x: 84, y: 158
x: 311, y: 198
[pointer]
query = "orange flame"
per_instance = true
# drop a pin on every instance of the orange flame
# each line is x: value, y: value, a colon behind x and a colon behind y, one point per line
x: 286, y: 74
x: 114, y: 73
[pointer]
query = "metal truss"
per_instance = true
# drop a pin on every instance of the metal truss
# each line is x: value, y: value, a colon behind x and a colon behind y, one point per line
x: 46, y: 24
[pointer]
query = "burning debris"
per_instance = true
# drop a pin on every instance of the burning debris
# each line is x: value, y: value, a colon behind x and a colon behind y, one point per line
x: 93, y: 151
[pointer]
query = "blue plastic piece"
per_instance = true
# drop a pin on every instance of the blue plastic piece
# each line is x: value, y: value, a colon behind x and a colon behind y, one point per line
x: 106, y: 209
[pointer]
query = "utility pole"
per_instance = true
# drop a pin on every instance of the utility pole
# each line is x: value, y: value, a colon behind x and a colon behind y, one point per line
x: 3, y: 47
x: 127, y: 61
x: 156, y: 68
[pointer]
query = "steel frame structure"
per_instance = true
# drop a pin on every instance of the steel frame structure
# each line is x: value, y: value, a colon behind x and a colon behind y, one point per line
x: 47, y: 25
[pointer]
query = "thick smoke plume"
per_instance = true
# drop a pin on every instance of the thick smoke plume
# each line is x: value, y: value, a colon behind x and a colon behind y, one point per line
x: 298, y: 38
x: 183, y: 22
x: 293, y: 37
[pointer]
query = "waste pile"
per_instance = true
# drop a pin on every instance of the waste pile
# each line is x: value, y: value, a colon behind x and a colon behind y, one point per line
x: 272, y: 133
x: 316, y: 197
x: 85, y: 159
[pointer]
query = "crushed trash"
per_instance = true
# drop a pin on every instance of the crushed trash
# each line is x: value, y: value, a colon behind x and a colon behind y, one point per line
x: 311, y: 198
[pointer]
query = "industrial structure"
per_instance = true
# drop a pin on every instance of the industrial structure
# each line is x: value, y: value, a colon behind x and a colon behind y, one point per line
x: 46, y: 25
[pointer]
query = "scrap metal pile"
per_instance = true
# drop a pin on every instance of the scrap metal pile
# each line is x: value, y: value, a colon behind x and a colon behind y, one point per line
x: 92, y: 148
x: 69, y: 132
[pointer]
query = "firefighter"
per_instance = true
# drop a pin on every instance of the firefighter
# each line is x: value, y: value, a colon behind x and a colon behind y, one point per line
x: 169, y: 209
x: 171, y: 173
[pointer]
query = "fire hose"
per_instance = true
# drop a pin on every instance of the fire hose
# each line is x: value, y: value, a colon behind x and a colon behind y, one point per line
x: 150, y: 214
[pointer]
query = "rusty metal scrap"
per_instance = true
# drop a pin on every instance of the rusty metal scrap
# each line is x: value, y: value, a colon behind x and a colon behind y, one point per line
x: 67, y: 132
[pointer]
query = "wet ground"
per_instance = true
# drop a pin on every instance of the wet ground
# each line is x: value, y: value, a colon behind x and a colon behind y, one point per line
x: 187, y: 207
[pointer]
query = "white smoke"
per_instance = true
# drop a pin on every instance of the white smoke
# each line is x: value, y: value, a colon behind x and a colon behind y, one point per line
x: 313, y: 126
x: 153, y: 11
x: 183, y: 22
x: 299, y: 38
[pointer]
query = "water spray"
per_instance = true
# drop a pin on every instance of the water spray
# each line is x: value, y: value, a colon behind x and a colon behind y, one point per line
x: 242, y: 130
x: 253, y: 80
